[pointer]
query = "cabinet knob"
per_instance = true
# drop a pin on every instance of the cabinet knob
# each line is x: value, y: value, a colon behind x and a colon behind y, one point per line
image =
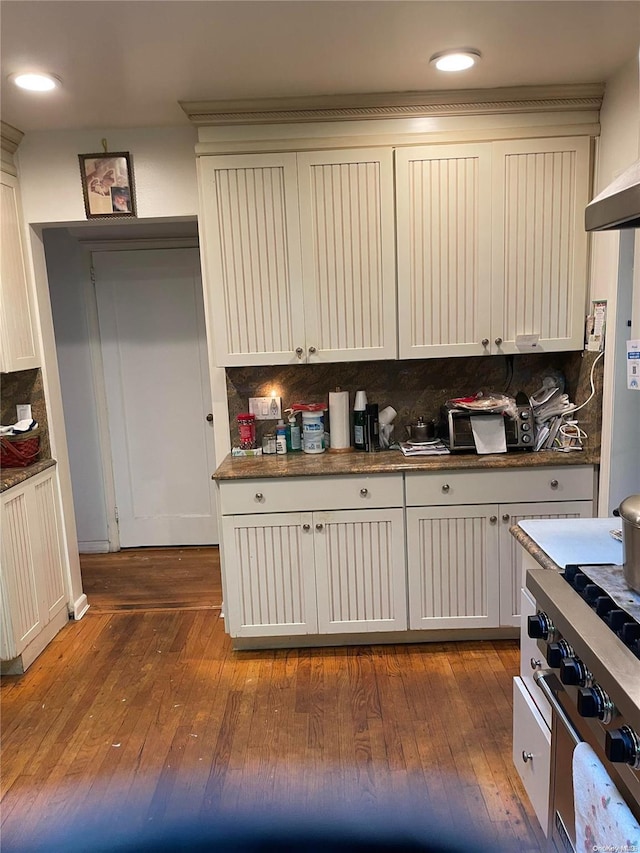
x: 485, y: 342
x: 493, y: 519
x: 554, y: 484
x: 312, y: 350
x: 306, y: 527
x: 445, y: 487
x: 299, y: 352
x: 506, y: 516
x: 364, y: 493
x: 210, y: 417
x: 259, y: 496
x: 498, y: 342
x: 527, y: 756
x: 535, y: 664
x: 319, y: 526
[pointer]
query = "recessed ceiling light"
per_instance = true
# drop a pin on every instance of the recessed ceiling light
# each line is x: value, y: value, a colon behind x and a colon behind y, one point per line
x: 455, y: 60
x: 35, y: 81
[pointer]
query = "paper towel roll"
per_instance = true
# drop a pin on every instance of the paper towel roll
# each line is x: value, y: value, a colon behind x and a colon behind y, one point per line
x: 339, y: 420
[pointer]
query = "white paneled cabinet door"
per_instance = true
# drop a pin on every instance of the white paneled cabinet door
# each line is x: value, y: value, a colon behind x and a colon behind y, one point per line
x: 348, y: 254
x: 269, y: 575
x: 443, y: 198
x: 540, y: 190
x: 251, y: 254
x: 18, y: 346
x: 453, y: 571
x: 33, y: 587
x: 511, y: 552
x: 360, y: 570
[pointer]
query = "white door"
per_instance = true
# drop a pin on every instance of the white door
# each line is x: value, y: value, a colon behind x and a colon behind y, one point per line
x: 152, y: 330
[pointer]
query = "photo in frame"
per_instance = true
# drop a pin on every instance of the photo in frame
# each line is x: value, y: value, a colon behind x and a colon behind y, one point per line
x: 107, y: 185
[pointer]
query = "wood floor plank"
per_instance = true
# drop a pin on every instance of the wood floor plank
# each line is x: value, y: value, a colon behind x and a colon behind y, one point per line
x: 152, y: 715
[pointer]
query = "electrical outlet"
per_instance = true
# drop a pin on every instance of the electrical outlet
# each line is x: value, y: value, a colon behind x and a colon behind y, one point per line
x: 266, y: 408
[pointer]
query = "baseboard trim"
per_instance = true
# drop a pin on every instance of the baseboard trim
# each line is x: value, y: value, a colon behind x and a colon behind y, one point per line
x: 80, y: 607
x: 95, y: 546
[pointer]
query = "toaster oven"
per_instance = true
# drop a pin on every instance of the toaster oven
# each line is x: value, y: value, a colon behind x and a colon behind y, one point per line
x: 456, y: 428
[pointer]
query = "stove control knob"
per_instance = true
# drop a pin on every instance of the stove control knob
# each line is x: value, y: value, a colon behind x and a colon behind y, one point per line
x: 594, y: 702
x: 557, y: 652
x: 540, y: 627
x: 622, y: 746
x: 573, y: 671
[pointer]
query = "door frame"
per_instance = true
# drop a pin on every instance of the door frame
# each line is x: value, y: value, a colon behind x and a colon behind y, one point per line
x: 97, y: 366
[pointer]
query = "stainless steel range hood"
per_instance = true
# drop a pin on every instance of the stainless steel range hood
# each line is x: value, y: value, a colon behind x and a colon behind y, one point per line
x: 617, y: 206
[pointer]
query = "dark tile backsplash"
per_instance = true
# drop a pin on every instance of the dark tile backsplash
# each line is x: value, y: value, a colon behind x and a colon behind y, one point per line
x: 418, y: 387
x: 18, y: 388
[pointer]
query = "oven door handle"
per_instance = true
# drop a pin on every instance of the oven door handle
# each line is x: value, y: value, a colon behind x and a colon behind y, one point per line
x: 544, y: 678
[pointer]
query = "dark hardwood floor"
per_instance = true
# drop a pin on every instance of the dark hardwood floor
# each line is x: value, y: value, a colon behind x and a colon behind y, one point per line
x: 152, y: 579
x: 137, y: 718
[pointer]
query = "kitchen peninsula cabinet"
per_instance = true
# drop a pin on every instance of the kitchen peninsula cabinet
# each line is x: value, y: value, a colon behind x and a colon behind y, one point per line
x: 299, y: 256
x: 491, y: 246
x: 18, y: 340
x: 316, y: 571
x: 463, y: 569
x: 34, y: 598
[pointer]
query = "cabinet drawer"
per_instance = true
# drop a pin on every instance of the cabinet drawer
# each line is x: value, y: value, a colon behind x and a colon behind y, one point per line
x: 291, y: 494
x: 531, y: 738
x: 529, y: 651
x: 443, y: 488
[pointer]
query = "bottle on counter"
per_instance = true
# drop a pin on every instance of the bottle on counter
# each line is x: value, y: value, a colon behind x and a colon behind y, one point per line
x: 247, y: 430
x: 281, y: 437
x: 313, y: 431
x: 269, y: 444
x: 371, y: 430
x: 294, y: 437
x: 359, y: 420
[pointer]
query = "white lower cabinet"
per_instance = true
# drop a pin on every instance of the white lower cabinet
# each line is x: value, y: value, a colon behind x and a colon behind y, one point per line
x: 34, y: 595
x: 464, y: 567
x: 315, y: 572
x: 336, y: 567
x: 531, y: 750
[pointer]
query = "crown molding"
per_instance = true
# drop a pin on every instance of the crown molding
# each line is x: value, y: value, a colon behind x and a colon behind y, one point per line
x: 395, y: 105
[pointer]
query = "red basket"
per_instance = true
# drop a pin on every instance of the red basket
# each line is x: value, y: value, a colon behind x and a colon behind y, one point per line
x: 18, y: 451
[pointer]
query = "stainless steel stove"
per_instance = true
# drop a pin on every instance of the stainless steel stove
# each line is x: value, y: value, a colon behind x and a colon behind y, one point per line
x: 588, y: 627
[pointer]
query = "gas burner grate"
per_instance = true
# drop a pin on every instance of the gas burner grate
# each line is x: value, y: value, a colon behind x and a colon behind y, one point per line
x: 605, y: 590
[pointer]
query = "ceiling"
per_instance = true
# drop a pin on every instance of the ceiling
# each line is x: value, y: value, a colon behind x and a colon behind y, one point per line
x: 128, y: 64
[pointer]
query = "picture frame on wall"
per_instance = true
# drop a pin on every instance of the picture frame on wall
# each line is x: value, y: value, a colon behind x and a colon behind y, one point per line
x: 107, y: 185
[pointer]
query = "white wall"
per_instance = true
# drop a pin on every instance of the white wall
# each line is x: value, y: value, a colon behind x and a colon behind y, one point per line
x: 612, y: 278
x: 164, y: 169
x: 68, y: 271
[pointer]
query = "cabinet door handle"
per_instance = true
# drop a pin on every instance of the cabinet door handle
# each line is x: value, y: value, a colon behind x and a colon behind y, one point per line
x: 485, y: 342
x: 306, y: 527
x: 535, y: 664
x: 312, y: 350
x: 445, y: 487
x: 259, y: 496
x: 526, y: 756
x: 506, y: 516
x: 364, y: 493
x: 319, y: 526
x: 210, y: 417
x: 498, y: 342
x: 299, y: 352
x: 554, y: 484
x: 493, y: 519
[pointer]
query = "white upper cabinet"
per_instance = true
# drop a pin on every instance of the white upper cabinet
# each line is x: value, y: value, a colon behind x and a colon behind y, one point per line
x: 299, y: 256
x: 491, y: 245
x: 540, y: 188
x: 18, y: 346
x: 348, y: 254
x: 444, y: 249
x: 251, y: 253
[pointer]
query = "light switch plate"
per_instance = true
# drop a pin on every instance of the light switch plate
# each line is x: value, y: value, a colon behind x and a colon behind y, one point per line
x: 266, y: 408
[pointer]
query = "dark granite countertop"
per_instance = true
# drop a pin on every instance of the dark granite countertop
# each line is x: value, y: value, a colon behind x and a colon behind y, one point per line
x: 10, y: 477
x: 387, y: 462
